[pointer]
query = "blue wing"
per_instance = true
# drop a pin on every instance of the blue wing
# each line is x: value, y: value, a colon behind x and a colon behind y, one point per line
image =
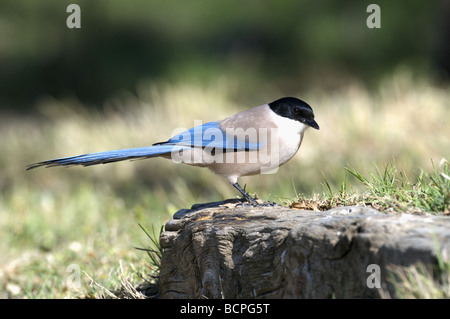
x: 206, y: 135
x: 212, y: 136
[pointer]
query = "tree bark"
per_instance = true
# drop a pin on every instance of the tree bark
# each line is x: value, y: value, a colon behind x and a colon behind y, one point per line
x: 220, y: 250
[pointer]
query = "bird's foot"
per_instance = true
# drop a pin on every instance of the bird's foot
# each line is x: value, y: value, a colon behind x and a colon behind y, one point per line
x: 253, y: 201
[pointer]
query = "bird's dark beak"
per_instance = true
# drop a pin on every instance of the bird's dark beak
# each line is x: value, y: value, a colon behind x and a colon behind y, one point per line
x: 313, y: 124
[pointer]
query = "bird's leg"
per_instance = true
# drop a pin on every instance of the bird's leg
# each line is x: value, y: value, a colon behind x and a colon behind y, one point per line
x: 250, y: 199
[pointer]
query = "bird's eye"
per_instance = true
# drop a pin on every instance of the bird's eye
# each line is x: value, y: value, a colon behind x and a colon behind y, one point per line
x: 295, y: 111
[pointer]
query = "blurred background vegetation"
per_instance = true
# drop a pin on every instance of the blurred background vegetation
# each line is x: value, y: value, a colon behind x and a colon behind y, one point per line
x: 290, y: 45
x: 137, y: 70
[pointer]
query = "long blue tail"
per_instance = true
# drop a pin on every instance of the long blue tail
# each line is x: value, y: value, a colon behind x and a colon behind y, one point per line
x: 110, y: 156
x: 206, y: 135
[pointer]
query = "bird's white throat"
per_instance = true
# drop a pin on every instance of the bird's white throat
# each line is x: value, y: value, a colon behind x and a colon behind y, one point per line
x: 288, y: 126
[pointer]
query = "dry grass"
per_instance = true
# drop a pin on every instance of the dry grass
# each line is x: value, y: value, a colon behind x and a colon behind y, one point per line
x: 420, y: 282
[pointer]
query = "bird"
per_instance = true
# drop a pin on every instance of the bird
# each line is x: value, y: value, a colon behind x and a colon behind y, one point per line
x: 255, y: 141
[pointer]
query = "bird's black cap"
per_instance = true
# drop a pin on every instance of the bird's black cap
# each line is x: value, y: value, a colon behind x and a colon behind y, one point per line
x: 294, y: 109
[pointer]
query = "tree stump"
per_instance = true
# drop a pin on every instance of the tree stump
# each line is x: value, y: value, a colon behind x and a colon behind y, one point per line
x: 224, y: 250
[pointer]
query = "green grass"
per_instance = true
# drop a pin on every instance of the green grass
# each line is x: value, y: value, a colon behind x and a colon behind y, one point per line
x: 392, y: 189
x: 45, y: 239
x: 53, y: 218
x: 388, y: 190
